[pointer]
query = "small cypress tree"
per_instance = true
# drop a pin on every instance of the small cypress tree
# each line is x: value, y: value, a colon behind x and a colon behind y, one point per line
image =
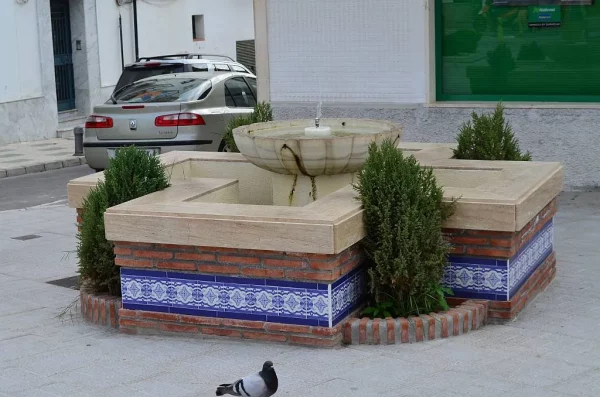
x: 131, y: 174
x: 404, y: 244
x: 489, y: 137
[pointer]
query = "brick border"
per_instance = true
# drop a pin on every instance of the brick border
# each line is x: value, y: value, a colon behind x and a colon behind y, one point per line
x: 153, y: 323
x: 100, y: 309
x: 468, y: 316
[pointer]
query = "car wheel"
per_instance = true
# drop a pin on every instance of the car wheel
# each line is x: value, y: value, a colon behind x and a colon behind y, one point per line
x: 223, y: 147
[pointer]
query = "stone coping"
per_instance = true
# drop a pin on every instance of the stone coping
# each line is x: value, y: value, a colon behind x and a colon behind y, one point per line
x: 468, y: 316
x: 499, y: 196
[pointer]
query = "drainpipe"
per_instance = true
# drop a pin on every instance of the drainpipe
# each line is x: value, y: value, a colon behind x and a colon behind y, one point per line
x: 135, y: 30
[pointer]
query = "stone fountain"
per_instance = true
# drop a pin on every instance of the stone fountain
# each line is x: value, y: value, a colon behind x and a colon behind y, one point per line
x: 311, y: 158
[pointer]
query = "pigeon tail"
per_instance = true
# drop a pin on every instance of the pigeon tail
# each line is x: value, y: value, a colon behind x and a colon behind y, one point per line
x: 224, y: 389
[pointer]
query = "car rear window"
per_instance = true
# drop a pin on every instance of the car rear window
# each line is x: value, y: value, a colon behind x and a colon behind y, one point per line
x: 132, y: 74
x: 175, y: 89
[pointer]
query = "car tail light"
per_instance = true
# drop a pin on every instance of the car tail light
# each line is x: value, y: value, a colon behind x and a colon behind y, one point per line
x: 131, y: 107
x: 98, y: 122
x: 179, y: 120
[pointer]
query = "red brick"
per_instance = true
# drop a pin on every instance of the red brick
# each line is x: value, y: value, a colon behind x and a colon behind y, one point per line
x: 242, y: 260
x: 488, y: 233
x: 444, y: 326
x: 268, y: 273
x: 133, y: 244
x: 222, y: 250
x: 171, y: 265
x: 127, y: 322
x: 298, y: 329
x: 376, y: 334
x: 455, y: 320
x: 404, y: 338
x: 169, y: 327
x: 293, y: 263
x: 95, y: 310
x: 502, y: 242
x: 348, y: 267
x: 500, y: 314
x: 133, y: 262
x: 264, y: 336
x: 122, y: 251
x: 200, y: 320
x: 127, y: 313
x: 158, y: 316
x: 242, y: 323
x: 308, y: 275
x: 188, y: 256
x: 128, y: 331
x: 176, y: 247
x: 307, y: 341
x: 348, y: 332
x: 418, y: 328
x: 324, y: 264
x: 362, y: 330
x: 429, y: 322
x: 153, y: 254
x: 490, y: 252
x: 102, y: 312
x: 113, y: 316
x: 470, y: 240
x: 222, y: 269
x: 460, y: 249
x: 391, y: 333
x: 325, y: 331
x: 221, y: 332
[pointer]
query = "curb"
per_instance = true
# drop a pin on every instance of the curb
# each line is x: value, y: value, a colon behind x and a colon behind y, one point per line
x: 469, y: 316
x: 42, y: 167
x: 100, y: 309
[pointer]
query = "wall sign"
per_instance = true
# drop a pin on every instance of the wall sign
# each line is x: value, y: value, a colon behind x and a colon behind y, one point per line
x: 517, y: 3
x: 543, y: 16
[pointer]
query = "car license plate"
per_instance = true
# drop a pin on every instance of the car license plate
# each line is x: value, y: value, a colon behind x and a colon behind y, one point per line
x: 113, y: 152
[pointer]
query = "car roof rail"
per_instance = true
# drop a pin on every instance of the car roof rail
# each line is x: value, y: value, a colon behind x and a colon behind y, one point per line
x: 187, y: 56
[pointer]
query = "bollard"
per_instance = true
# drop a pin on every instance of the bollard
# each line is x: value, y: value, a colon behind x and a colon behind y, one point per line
x: 78, y: 133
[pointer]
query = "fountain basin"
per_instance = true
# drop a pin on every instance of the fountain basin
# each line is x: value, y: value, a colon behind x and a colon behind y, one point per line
x: 282, y: 146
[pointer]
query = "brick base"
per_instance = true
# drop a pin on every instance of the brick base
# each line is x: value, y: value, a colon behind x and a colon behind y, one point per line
x: 468, y: 316
x: 501, y: 311
x: 142, y: 322
x: 100, y: 309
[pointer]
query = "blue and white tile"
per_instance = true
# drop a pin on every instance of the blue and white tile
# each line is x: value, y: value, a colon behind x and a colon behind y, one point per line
x: 347, y: 295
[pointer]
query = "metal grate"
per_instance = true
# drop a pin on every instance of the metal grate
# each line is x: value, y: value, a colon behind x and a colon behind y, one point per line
x: 26, y: 237
x: 245, y: 54
x: 68, y: 282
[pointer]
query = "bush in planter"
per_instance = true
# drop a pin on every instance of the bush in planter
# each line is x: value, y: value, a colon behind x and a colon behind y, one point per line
x: 489, y: 137
x: 131, y: 174
x: 262, y: 113
x: 405, y: 248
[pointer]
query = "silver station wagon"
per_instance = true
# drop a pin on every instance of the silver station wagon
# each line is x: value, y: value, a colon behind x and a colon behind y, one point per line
x: 185, y: 111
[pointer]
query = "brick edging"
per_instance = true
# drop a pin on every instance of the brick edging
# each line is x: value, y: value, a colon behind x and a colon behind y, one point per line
x: 468, y: 316
x: 100, y: 309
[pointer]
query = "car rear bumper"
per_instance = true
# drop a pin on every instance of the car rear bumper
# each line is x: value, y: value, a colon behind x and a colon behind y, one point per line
x: 96, y: 152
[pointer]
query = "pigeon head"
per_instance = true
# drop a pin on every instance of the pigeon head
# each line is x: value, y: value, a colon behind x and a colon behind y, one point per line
x: 268, y: 366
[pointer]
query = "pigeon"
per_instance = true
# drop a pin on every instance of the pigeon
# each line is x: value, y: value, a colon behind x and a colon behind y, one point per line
x: 262, y: 384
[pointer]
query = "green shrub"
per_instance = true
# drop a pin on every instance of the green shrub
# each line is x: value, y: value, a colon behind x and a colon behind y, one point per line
x: 262, y: 113
x: 131, y: 174
x: 405, y: 248
x: 489, y: 137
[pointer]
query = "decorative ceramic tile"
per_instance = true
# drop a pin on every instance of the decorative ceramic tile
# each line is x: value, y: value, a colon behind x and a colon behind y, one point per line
x: 302, y: 301
x: 497, y: 279
x: 347, y: 294
x: 532, y: 256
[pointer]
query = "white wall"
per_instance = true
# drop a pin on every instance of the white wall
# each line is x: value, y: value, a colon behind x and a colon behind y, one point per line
x: 20, y: 69
x: 165, y: 26
x: 347, y: 51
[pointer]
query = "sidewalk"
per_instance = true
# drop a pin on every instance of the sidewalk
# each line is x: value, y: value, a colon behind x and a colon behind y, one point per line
x: 551, y: 350
x: 37, y: 156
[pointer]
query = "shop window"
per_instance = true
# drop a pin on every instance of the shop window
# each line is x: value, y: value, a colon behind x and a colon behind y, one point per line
x: 488, y: 51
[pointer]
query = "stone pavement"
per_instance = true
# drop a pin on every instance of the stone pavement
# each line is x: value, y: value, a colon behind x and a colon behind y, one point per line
x: 551, y: 350
x: 37, y: 156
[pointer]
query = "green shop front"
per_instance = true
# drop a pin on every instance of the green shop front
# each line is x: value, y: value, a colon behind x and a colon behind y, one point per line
x: 518, y: 50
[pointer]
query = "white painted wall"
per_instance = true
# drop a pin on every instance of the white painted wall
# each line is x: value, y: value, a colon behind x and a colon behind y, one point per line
x: 347, y: 51
x: 165, y: 26
x: 20, y: 69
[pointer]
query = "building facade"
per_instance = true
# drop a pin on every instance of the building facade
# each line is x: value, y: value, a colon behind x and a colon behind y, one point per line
x: 427, y: 64
x: 62, y: 57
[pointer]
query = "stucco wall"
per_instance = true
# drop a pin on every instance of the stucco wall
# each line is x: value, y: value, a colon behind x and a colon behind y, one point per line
x: 566, y: 135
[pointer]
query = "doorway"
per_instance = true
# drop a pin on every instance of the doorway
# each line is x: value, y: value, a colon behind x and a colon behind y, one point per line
x: 63, y: 55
